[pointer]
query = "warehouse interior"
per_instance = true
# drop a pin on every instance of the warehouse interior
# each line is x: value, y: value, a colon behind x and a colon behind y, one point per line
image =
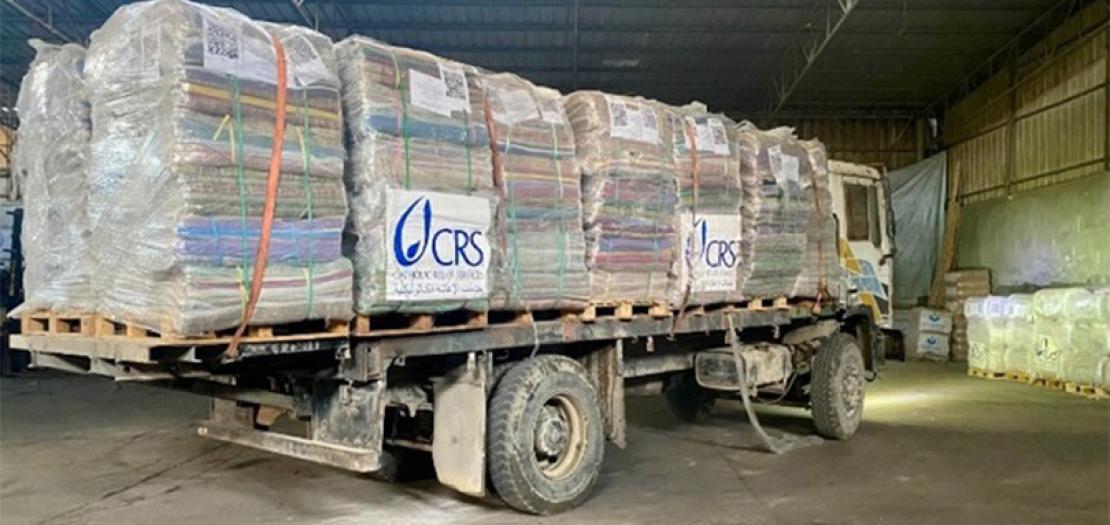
x: 989, y: 123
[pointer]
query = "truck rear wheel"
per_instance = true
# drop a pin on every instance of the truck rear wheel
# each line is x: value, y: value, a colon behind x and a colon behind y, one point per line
x: 836, y: 392
x: 544, y: 442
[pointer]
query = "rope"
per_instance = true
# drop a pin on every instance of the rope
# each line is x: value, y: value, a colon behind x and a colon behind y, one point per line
x: 263, y: 253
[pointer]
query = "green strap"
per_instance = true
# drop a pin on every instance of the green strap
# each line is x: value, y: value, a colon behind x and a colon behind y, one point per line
x: 513, y: 239
x: 306, y: 147
x: 469, y: 144
x: 562, y: 242
x: 240, y: 180
x: 399, y: 85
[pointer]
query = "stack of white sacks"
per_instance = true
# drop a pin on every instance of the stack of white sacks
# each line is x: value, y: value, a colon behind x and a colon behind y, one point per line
x: 1058, y: 334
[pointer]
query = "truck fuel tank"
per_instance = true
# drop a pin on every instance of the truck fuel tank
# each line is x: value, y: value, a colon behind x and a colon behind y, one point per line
x: 760, y: 365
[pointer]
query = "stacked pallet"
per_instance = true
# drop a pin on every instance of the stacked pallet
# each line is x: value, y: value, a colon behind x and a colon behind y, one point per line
x: 630, y: 196
x: 958, y: 287
x: 52, y: 157
x: 925, y: 333
x: 184, y: 105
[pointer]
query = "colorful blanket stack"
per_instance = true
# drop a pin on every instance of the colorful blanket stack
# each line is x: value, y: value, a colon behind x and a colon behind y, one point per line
x: 776, y: 210
x: 539, y: 222
x: 51, y: 156
x: 821, y: 271
x: 419, y: 179
x: 710, y: 195
x: 183, y: 113
x: 630, y: 196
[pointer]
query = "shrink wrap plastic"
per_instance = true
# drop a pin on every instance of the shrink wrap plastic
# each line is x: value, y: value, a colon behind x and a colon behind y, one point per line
x: 1087, y: 358
x: 1020, y: 337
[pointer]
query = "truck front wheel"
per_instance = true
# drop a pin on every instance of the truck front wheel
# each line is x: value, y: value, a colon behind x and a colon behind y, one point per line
x: 544, y: 442
x: 836, y: 392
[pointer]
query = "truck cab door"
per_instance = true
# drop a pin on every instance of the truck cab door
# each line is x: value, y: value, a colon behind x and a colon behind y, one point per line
x: 866, y: 242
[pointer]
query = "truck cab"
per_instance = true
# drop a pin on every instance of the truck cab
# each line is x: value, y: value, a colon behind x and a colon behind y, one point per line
x: 865, y: 222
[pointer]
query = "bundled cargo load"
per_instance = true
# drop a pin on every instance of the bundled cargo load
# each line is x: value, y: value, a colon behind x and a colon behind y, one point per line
x: 630, y: 196
x: 1087, y: 359
x: 822, y: 275
x: 1052, y: 329
x: 419, y: 179
x: 538, y: 228
x: 51, y: 156
x: 1019, y: 338
x: 776, y: 209
x: 925, y: 333
x: 986, y: 332
x: 184, y: 110
x: 709, y: 197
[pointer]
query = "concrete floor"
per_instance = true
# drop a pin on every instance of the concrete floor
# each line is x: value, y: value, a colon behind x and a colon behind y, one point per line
x: 936, y: 447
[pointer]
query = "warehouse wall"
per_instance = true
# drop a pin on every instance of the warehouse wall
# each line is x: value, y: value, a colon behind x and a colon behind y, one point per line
x: 892, y: 142
x: 1030, y: 156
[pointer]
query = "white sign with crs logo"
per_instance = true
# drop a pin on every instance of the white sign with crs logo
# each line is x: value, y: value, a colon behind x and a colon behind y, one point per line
x: 437, y: 246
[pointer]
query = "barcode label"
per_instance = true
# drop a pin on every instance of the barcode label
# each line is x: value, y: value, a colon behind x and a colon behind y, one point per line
x: 456, y: 90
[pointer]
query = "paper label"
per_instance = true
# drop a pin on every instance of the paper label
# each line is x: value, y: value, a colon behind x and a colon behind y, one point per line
x: 304, y: 61
x: 632, y: 121
x: 784, y: 166
x: 551, y: 111
x: 150, y: 46
x: 428, y: 92
x: 712, y: 137
x: 437, y: 246
x: 712, y: 251
x: 515, y: 105
x: 456, y: 90
x: 224, y: 52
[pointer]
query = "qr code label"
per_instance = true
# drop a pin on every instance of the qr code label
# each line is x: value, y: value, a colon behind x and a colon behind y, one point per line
x: 305, y: 62
x: 649, y: 130
x: 223, y: 46
x: 631, y: 121
x: 457, y: 92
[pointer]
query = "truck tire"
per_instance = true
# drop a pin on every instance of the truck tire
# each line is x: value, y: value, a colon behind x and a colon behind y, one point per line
x: 836, y: 393
x: 544, y: 441
x: 687, y: 400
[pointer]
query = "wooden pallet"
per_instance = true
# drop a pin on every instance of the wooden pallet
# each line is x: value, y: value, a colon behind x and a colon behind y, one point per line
x: 1087, y: 391
x: 984, y: 374
x: 762, y: 303
x: 1051, y: 384
x: 92, y: 325
x: 1020, y: 377
x: 624, y: 311
x: 395, y: 323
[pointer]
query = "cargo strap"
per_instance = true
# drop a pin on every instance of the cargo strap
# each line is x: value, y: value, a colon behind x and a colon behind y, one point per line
x: 263, y: 252
x: 691, y: 131
x: 305, y: 140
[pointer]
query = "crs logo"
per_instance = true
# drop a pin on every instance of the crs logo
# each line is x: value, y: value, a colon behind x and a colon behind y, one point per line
x: 449, y: 247
x: 714, y: 253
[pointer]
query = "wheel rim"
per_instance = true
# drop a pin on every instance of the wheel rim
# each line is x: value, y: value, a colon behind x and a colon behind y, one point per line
x: 851, y: 387
x: 559, y: 437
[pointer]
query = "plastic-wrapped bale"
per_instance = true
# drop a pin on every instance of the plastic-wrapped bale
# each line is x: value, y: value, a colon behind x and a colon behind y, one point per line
x: 822, y: 274
x: 1087, y: 361
x: 978, y: 332
x: 1019, y: 336
x: 630, y: 199
x: 51, y: 155
x: 776, y: 210
x: 419, y: 179
x: 183, y: 111
x: 538, y: 228
x: 1052, y: 330
x: 709, y: 194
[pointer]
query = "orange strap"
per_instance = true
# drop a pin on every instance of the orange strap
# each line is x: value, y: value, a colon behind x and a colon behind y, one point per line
x: 262, y: 255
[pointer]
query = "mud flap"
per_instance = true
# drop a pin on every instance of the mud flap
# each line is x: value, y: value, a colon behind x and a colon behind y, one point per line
x: 459, y: 442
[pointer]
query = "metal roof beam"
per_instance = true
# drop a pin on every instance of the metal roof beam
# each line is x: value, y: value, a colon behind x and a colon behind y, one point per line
x: 46, y: 23
x: 818, y: 38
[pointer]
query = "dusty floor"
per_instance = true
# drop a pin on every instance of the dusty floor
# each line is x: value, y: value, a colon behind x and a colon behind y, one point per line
x: 937, y: 447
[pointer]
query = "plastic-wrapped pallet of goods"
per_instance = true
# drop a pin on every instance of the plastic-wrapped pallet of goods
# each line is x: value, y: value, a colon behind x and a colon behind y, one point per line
x: 1086, y: 362
x: 822, y: 274
x: 776, y: 210
x: 1053, y: 329
x: 1019, y: 337
x: 538, y: 227
x: 630, y: 196
x: 959, y: 286
x: 986, y: 333
x: 51, y: 156
x: 419, y: 179
x: 183, y: 113
x: 709, y: 195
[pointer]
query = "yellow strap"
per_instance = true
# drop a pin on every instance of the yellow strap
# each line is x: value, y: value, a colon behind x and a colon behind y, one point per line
x: 230, y: 136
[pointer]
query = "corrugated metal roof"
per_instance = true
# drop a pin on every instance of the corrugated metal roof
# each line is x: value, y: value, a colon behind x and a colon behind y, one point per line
x: 889, y: 56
